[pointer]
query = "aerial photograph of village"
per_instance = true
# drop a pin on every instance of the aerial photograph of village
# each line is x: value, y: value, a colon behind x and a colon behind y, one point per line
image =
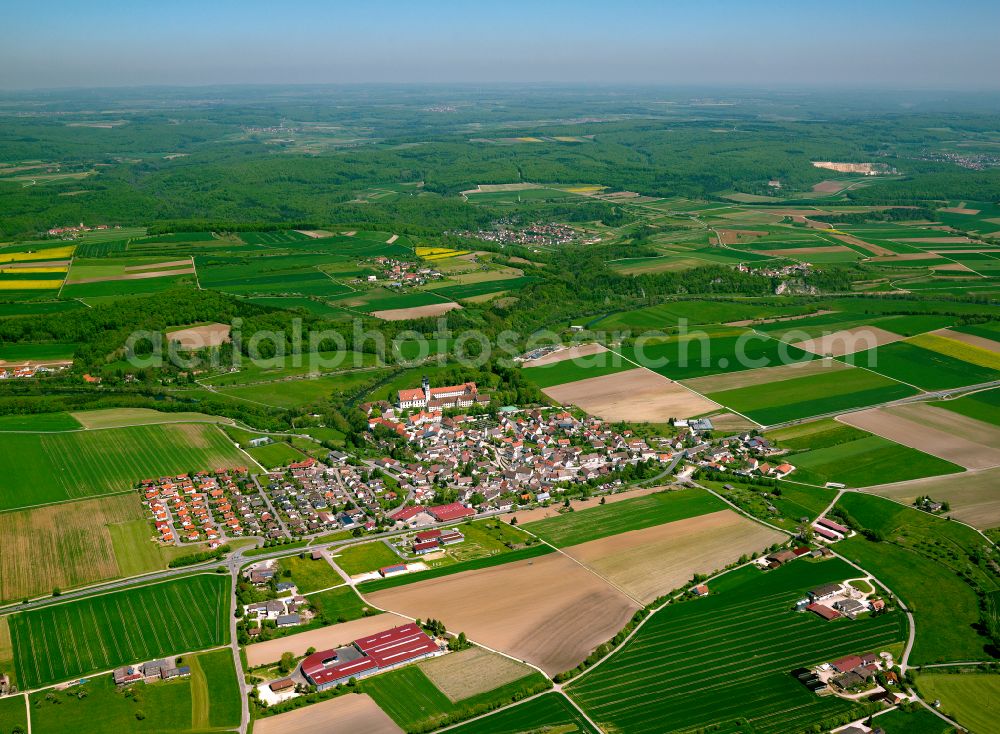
x: 536, y: 368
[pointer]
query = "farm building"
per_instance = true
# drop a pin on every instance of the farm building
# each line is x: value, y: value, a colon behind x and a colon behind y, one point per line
x: 823, y: 611
x: 824, y: 592
x: 394, y: 570
x: 824, y: 533
x: 368, y: 655
x: 835, y: 527
x: 453, y: 511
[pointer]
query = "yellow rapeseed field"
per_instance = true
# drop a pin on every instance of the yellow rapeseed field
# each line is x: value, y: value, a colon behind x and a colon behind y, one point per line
x: 29, y: 285
x: 957, y: 350
x: 52, y: 253
x: 35, y: 270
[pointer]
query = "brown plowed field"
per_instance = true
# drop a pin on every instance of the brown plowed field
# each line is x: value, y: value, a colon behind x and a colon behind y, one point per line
x: 763, y: 375
x: 950, y: 436
x: 848, y: 341
x: 651, y: 562
x: 196, y: 337
x: 637, y: 395
x: 416, y: 312
x: 973, y: 496
x: 354, y: 713
x: 972, y: 339
x: 549, y: 610
x: 873, y: 249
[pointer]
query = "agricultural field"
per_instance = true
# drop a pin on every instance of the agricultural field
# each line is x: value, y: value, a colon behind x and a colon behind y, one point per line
x: 180, y: 706
x: 724, y: 660
x: 39, y: 422
x: 547, y: 610
x: 53, y: 467
x: 471, y: 671
x: 415, y: 703
x: 919, y: 561
x: 309, y: 575
x: 551, y: 712
x: 980, y: 406
x: 356, y: 713
x: 841, y: 453
x: 300, y: 365
x: 339, y: 604
x: 916, y: 721
x: 971, y: 699
x: 76, y: 543
x: 649, y: 563
x: 296, y: 393
x: 964, y: 441
x: 637, y: 395
x: 14, y: 713
x: 364, y: 558
x: 275, y: 455
x: 37, y: 353
x: 973, y: 499
x: 601, y: 521
x: 931, y: 362
x: 668, y: 315
x: 813, y: 395
x: 70, y: 639
x: 581, y: 367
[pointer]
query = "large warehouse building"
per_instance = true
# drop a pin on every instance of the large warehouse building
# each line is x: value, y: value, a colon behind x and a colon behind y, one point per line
x: 368, y: 655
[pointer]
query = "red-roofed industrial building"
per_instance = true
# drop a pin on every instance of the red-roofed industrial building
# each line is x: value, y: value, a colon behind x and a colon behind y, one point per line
x: 836, y: 527
x: 368, y: 655
x: 454, y: 511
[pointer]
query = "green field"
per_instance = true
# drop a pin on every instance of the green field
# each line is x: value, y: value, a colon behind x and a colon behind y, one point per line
x: 307, y: 363
x: 299, y: 393
x: 668, y: 315
x: 981, y: 406
x: 416, y: 704
x: 207, y: 701
x: 803, y: 397
x: 357, y: 559
x: 41, y: 308
x: 686, y: 358
x: 309, y: 575
x: 582, y: 368
x: 39, y: 352
x: 13, y: 713
x: 920, y: 560
x: 601, y: 521
x: 45, y: 468
x: 829, y: 451
x: 917, y: 721
x: 724, y: 660
x: 971, y: 699
x: 548, y: 713
x: 921, y: 367
x: 64, y: 641
x: 39, y: 422
x: 340, y: 604
x: 471, y: 290
x: 275, y: 455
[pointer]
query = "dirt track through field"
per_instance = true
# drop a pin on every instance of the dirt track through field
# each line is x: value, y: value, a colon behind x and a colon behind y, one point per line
x: 582, y: 350
x: 848, y: 341
x: 650, y: 562
x: 973, y: 497
x: 936, y: 431
x: 635, y: 395
x: 415, y: 312
x: 262, y: 653
x: 352, y: 712
x: 763, y: 375
x: 549, y: 610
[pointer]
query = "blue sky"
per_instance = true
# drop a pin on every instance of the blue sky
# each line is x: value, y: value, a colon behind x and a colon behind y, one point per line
x: 914, y: 44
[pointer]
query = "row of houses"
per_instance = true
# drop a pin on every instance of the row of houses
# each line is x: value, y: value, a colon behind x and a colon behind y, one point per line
x: 154, y: 670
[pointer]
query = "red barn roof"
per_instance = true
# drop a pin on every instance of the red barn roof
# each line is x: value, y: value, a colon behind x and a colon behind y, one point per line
x: 453, y: 511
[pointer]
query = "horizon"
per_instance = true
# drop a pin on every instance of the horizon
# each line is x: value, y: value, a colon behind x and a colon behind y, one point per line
x: 895, y: 45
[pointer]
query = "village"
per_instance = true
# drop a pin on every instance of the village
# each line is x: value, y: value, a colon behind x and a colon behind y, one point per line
x: 508, y: 232
x: 397, y: 273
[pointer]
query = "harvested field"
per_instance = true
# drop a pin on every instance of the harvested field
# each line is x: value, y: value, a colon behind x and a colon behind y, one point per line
x: 873, y: 249
x: 959, y: 210
x: 415, y: 312
x: 638, y: 395
x: 763, y: 375
x: 737, y: 236
x: 583, y: 350
x: 942, y: 433
x: 354, y: 712
x: 197, y: 337
x: 189, y: 270
x: 472, y: 671
x: 974, y: 497
x: 820, y: 250
x: 32, y: 264
x: 971, y: 339
x: 848, y: 341
x: 157, y: 266
x: 315, y: 233
x: 953, y: 267
x: 650, y: 562
x: 392, y: 239
x: 263, y: 653
x: 829, y: 187
x: 548, y: 610
x: 751, y: 322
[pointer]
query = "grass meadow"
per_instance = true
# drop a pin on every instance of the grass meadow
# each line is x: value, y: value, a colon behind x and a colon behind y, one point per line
x: 981, y: 406
x: 45, y: 468
x: 972, y: 699
x: 724, y: 660
x: 71, y: 639
x: 600, y: 521
x: 41, y: 422
x: 309, y: 575
x: 925, y: 368
x: 358, y: 559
